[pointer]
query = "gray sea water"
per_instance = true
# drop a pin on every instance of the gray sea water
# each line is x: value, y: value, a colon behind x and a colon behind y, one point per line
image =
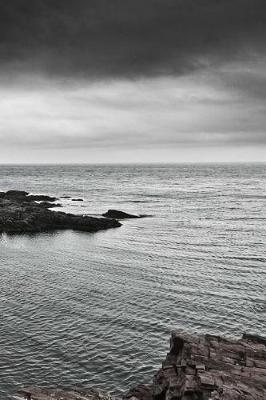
x: 97, y: 309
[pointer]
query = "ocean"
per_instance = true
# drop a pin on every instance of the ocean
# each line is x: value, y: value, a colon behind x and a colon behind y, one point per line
x: 97, y: 309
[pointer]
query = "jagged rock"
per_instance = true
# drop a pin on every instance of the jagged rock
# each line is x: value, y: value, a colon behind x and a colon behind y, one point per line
x: 209, y: 367
x: 140, y: 392
x: 119, y: 214
x: 18, y: 214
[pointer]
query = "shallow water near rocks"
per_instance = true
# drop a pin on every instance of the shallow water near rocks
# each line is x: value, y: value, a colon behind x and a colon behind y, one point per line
x: 98, y: 309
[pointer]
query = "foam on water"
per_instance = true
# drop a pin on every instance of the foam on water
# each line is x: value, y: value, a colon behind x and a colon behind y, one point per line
x: 97, y: 308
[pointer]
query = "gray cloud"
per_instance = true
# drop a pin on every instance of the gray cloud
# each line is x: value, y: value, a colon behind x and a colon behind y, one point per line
x: 154, y: 112
x: 127, y: 38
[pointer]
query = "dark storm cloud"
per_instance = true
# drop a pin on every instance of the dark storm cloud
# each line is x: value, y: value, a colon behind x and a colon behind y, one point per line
x: 128, y: 38
x: 100, y: 79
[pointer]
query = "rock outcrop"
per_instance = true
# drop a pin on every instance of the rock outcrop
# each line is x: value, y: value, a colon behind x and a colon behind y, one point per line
x: 196, y: 368
x: 119, y: 214
x: 209, y: 367
x: 20, y: 195
x: 20, y: 213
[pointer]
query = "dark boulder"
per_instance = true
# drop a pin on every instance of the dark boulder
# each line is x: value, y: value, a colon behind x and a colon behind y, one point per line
x: 119, y: 214
x: 15, y: 194
x: 40, y: 197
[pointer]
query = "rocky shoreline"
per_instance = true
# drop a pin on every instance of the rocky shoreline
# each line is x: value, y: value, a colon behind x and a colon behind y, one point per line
x: 196, y: 368
x: 21, y: 212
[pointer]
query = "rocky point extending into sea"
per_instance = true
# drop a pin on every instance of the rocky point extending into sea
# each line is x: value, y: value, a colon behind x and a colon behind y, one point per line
x: 21, y: 212
x: 196, y: 368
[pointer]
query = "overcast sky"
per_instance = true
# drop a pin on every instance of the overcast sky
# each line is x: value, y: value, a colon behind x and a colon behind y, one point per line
x: 132, y: 80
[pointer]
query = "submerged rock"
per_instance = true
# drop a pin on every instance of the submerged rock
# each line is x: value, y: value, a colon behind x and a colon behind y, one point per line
x: 119, y: 214
x: 19, y: 213
x: 77, y: 199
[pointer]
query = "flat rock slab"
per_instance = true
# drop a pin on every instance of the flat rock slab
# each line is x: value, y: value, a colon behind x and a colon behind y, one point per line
x: 33, y: 393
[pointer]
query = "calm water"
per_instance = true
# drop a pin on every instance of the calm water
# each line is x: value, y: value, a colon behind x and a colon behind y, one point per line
x: 98, y: 308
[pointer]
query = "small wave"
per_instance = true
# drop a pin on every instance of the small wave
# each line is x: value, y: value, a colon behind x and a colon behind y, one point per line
x: 245, y: 219
x: 242, y: 258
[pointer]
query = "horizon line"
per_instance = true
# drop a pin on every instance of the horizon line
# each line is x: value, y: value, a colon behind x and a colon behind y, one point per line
x: 131, y: 163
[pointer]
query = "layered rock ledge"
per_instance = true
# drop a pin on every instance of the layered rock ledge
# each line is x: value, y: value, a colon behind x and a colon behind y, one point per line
x: 209, y: 367
x: 196, y: 368
x: 20, y: 213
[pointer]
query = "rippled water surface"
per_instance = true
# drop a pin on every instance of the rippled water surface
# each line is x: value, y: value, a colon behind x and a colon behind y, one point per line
x: 97, y: 309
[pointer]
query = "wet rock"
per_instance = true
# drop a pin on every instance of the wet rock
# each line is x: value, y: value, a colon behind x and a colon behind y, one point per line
x: 119, y: 214
x: 18, y: 214
x: 33, y: 393
x: 40, y: 197
x: 254, y: 338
